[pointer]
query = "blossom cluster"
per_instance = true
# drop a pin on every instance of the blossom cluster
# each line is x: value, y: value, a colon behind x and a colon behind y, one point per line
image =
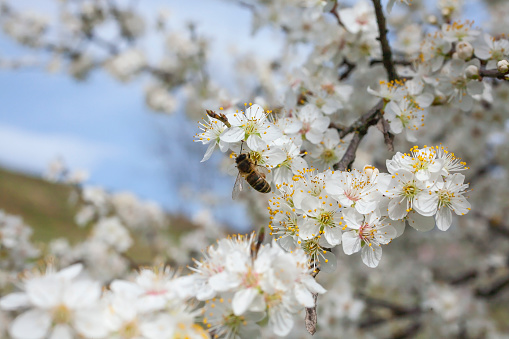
x: 318, y: 210
x: 242, y: 284
x: 68, y: 304
x: 445, y: 70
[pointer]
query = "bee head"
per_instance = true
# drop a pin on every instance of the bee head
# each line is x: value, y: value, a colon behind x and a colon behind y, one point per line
x: 241, y: 157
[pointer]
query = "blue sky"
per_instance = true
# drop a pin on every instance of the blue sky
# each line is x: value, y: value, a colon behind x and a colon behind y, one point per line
x: 104, y: 126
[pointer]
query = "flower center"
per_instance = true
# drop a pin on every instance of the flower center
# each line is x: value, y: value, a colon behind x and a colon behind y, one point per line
x: 251, y: 127
x: 410, y: 190
x: 366, y: 233
x: 326, y: 218
x: 256, y: 157
x: 444, y: 198
x: 328, y: 156
x: 250, y: 279
x: 459, y: 83
x: 130, y: 330
x: 61, y: 314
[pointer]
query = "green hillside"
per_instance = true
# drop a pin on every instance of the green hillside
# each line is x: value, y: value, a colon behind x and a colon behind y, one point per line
x: 45, y: 206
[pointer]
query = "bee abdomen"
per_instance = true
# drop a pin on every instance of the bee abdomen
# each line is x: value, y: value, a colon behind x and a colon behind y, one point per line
x: 258, y: 183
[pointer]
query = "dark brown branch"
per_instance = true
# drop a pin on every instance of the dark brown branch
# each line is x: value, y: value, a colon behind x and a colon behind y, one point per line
x: 386, y: 48
x: 492, y: 73
x: 408, y: 332
x: 398, y: 311
x: 493, y: 290
x: 359, y: 128
x: 334, y: 11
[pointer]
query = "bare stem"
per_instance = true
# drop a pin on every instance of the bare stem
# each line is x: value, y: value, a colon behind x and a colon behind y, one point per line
x: 359, y: 128
x: 386, y: 48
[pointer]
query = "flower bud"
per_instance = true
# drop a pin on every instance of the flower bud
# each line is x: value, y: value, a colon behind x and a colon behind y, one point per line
x: 472, y: 72
x: 503, y: 66
x: 464, y: 50
x: 446, y: 12
x: 432, y: 20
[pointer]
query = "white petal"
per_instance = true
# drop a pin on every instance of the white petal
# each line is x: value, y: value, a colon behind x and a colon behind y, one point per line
x: 371, y: 255
x: 271, y: 133
x: 223, y: 282
x: 308, y: 229
x: 255, y: 142
x: 281, y: 322
x: 14, y: 301
x: 70, y: 272
x: 312, y: 285
x: 255, y: 112
x: 208, y: 153
x: 45, y: 292
x: 90, y: 323
x: 460, y: 205
x: 352, y: 218
x: 242, y: 300
x: 426, y: 204
x: 328, y: 263
x: 398, y: 208
x: 333, y: 235
x: 303, y: 296
x: 443, y: 218
x: 61, y: 332
x: 82, y: 294
x: 365, y: 207
x: 351, y: 242
x: 33, y: 324
x: 314, y: 136
x: 234, y: 134
x: 399, y: 226
x: 419, y: 222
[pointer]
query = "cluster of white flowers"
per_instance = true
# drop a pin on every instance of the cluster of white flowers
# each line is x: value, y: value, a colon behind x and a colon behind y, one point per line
x: 444, y: 79
x: 15, y: 245
x: 68, y: 304
x: 242, y: 284
x: 362, y: 209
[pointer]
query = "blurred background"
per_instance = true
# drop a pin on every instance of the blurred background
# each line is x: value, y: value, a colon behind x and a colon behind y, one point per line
x: 78, y: 101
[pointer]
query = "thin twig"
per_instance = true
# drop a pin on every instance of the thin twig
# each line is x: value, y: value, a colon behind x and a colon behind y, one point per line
x: 386, y: 48
x: 359, y: 128
x: 492, y: 73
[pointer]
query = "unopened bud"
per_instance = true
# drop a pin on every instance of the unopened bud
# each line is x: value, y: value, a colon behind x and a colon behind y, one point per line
x: 455, y: 56
x: 503, y: 66
x: 446, y: 12
x: 472, y: 72
x: 432, y: 20
x: 464, y: 50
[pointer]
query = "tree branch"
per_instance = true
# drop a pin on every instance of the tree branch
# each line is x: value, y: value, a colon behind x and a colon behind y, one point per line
x: 359, y: 128
x: 492, y: 73
x: 311, y: 317
x: 386, y: 48
x: 397, y: 311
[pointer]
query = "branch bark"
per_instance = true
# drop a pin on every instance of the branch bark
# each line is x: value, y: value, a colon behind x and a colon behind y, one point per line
x: 359, y: 128
x: 492, y: 73
x: 311, y: 317
x: 386, y: 48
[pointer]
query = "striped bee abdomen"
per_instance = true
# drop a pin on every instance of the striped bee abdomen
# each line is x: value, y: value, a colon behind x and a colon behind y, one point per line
x: 258, y: 182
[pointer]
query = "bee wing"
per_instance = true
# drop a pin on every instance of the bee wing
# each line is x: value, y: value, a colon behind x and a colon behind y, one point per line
x: 238, y: 186
x: 266, y: 173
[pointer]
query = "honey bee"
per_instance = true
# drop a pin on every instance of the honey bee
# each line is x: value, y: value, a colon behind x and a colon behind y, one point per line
x: 250, y: 171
